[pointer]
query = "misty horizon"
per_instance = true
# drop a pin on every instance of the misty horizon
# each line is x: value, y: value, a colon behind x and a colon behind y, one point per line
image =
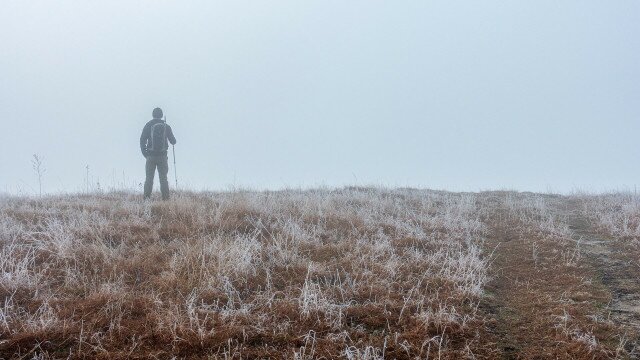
x: 531, y: 97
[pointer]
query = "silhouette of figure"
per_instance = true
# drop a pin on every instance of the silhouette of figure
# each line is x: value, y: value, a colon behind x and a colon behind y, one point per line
x: 154, y: 143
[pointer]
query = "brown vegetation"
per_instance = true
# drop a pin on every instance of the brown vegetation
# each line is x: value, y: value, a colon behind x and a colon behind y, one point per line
x: 355, y: 273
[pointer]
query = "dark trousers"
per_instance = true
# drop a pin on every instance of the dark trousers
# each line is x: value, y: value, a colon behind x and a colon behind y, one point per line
x: 162, y: 163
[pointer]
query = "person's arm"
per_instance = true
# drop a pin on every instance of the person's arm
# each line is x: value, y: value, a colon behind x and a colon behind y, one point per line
x: 143, y: 140
x: 172, y: 139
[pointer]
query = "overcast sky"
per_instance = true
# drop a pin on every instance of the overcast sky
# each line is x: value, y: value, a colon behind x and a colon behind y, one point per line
x: 457, y: 95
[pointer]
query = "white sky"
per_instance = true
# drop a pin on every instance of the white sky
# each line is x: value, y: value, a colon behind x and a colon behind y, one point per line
x: 457, y: 95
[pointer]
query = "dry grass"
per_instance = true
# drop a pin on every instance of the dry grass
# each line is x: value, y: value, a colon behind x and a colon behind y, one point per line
x: 546, y: 299
x: 616, y: 217
x: 355, y: 273
x: 616, y: 214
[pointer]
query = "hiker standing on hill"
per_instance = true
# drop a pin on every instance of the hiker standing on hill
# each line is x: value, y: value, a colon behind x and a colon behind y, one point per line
x: 154, y: 143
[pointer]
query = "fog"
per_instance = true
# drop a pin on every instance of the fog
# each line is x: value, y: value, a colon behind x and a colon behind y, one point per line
x: 456, y: 95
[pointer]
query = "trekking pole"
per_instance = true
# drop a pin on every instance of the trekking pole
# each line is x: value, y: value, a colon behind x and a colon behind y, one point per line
x: 175, y: 172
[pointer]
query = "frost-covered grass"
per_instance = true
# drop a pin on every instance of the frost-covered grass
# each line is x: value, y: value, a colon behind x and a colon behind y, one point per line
x: 353, y: 273
x: 616, y: 214
x: 356, y: 273
x: 539, y: 212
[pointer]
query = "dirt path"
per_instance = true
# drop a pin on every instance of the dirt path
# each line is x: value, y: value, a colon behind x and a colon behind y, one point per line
x: 550, y: 297
x: 507, y: 318
x: 617, y: 269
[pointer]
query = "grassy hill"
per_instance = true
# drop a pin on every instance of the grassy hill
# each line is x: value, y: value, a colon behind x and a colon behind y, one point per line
x: 354, y: 273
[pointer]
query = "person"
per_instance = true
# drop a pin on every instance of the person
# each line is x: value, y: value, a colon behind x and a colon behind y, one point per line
x: 154, y: 143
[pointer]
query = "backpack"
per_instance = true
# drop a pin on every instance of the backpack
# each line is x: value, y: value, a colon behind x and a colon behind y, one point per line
x: 158, y: 137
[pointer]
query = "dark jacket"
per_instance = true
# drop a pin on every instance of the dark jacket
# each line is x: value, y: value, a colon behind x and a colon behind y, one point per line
x: 145, y: 139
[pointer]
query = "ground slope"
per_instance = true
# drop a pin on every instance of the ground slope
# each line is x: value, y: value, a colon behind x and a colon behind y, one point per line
x: 354, y: 273
x: 546, y: 298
